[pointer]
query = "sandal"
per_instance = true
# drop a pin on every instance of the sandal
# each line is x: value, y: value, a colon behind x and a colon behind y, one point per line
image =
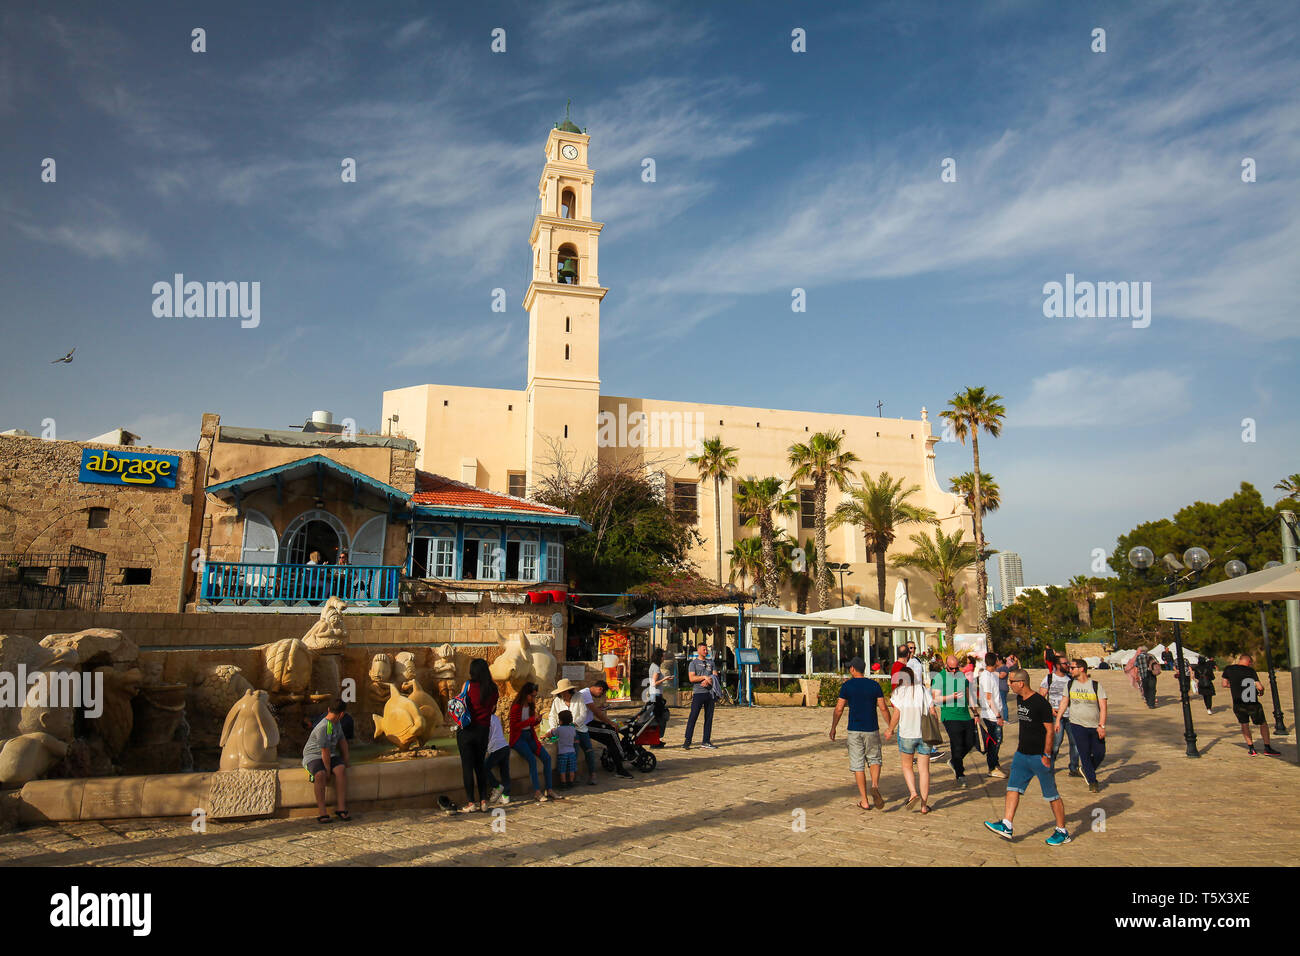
x: 912, y: 802
x: 324, y: 819
x: 343, y: 815
x: 862, y: 806
x: 925, y: 808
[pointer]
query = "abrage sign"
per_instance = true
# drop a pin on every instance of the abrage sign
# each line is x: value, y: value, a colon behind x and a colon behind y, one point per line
x: 616, y: 661
x: 100, y: 466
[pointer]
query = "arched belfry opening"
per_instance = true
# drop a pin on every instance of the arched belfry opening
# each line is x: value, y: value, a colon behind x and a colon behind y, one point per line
x: 568, y: 205
x: 567, y: 264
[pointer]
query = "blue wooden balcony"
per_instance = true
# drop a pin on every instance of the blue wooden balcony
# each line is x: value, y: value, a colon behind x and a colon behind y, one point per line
x: 289, y: 588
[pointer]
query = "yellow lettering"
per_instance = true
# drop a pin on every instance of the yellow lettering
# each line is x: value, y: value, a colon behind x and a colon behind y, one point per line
x: 164, y: 467
x: 95, y: 464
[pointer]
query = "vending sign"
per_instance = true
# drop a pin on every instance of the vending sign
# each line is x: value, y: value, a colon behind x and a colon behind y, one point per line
x: 99, y: 466
x: 616, y: 662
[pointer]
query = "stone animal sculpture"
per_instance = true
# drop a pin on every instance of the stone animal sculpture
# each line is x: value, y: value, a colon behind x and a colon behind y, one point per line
x: 250, y: 736
x: 28, y: 757
x: 288, y: 666
x: 521, y: 661
x: 115, y: 723
x: 401, y: 723
x: 328, y: 633
x: 430, y: 712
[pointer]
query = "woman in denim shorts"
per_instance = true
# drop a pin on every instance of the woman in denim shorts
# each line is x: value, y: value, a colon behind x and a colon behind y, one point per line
x: 909, y: 700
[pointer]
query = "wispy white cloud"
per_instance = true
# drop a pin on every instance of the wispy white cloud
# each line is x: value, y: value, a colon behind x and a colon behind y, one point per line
x: 473, y: 343
x: 1090, y: 397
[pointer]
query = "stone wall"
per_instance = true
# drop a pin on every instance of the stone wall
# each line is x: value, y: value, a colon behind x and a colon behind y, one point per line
x: 47, y: 508
x: 445, y: 624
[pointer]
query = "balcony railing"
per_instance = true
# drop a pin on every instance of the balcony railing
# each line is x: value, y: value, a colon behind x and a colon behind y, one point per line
x: 234, y: 586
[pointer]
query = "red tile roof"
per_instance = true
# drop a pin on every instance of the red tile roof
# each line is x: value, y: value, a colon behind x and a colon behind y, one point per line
x: 438, y: 490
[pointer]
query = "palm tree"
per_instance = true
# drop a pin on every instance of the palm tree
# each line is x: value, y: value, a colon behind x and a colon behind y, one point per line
x: 879, y: 507
x: 1080, y: 591
x: 746, y: 560
x: 967, y: 413
x: 822, y: 461
x: 759, y: 499
x: 942, y: 557
x: 1289, y: 486
x: 802, y: 572
x: 715, y: 461
x: 990, y: 494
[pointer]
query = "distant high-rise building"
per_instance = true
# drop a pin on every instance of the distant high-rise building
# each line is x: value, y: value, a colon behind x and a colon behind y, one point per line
x: 1010, y: 576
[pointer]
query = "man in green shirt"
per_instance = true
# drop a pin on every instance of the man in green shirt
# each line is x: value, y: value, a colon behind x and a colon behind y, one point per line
x: 953, y: 696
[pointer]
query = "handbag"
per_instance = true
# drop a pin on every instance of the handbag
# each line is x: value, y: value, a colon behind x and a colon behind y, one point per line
x: 930, y: 731
x: 458, y: 709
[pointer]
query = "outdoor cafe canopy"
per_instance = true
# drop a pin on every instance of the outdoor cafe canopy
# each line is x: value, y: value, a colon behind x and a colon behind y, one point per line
x: 1272, y: 584
x: 854, y: 615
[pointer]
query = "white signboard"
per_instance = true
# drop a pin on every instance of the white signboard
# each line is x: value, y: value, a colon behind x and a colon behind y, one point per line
x: 964, y: 644
x: 1180, y: 611
x: 574, y: 672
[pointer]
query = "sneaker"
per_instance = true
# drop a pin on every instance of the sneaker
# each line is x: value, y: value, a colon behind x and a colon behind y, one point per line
x: 1094, y: 788
x: 1269, y: 751
x: 591, y: 781
x: 624, y: 773
x: 504, y: 799
x: 1000, y: 828
x: 497, y: 792
x: 961, y: 783
x: 1075, y: 773
x: 686, y: 746
x: 708, y: 747
x: 1058, y: 838
x: 938, y: 754
x: 996, y: 772
x: 1210, y: 712
x: 1252, y: 752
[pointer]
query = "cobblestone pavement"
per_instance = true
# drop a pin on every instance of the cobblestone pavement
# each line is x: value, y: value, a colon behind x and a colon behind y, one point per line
x: 738, y: 805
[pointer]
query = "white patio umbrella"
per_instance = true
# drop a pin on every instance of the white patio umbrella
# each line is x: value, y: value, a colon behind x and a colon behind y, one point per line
x: 1272, y: 584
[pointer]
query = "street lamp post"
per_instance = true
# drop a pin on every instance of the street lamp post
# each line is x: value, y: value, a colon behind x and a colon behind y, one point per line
x: 1236, y: 569
x: 1197, y: 559
x: 841, y: 568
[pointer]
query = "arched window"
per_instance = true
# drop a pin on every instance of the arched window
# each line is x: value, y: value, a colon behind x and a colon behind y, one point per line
x: 567, y: 264
x: 568, y: 205
x: 368, y: 545
x: 313, y: 531
x: 260, y: 539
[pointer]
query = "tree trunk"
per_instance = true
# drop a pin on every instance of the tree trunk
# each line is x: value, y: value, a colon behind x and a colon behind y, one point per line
x: 717, y: 524
x: 981, y: 572
x: 769, y: 585
x: 880, y: 576
x: 819, y: 498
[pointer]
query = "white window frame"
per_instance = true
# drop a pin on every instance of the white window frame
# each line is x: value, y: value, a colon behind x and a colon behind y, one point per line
x: 437, y: 558
x: 486, y: 548
x: 554, y: 561
x: 529, y: 553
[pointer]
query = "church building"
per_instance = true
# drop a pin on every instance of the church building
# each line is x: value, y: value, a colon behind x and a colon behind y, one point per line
x: 504, y: 439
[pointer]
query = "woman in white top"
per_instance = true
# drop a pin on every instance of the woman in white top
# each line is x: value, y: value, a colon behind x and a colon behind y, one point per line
x: 567, y: 697
x: 656, y: 692
x: 909, y: 700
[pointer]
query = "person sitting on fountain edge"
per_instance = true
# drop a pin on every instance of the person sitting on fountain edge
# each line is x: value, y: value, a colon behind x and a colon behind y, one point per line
x: 325, y: 755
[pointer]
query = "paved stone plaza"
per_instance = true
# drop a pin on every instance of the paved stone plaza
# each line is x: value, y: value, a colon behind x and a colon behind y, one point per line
x: 736, y: 806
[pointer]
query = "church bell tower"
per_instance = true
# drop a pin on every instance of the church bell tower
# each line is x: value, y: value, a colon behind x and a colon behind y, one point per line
x: 563, y: 303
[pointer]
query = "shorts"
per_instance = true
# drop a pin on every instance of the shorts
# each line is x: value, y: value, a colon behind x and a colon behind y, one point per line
x: 317, y: 765
x: 567, y: 763
x: 914, y: 745
x: 1024, y: 767
x: 1252, y: 713
x: 864, y: 750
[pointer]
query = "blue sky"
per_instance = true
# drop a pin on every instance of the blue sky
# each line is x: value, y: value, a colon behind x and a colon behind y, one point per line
x: 775, y: 170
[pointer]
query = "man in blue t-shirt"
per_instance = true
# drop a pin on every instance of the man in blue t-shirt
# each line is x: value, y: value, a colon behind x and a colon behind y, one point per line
x: 864, y: 698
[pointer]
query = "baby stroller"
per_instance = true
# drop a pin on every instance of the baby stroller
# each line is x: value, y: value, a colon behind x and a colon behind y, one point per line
x: 635, y: 735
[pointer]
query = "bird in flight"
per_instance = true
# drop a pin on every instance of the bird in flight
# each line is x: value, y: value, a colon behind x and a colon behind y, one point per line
x: 65, y: 360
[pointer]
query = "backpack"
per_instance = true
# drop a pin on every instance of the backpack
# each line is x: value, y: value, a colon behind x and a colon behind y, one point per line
x: 458, y: 709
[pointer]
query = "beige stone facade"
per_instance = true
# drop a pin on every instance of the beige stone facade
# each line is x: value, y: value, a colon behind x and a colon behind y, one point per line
x: 493, y: 437
x: 144, y: 532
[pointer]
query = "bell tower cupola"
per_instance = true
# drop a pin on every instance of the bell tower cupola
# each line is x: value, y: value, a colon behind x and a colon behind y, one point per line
x: 563, y: 305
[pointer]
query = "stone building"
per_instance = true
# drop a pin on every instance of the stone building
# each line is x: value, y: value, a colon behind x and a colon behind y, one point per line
x: 505, y: 439
x: 135, y: 506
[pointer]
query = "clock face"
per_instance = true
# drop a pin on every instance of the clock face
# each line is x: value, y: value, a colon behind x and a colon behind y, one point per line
x: 570, y: 151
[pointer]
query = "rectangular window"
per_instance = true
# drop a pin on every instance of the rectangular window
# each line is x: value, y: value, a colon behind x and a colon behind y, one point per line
x: 555, y: 561
x: 528, y: 561
x: 807, y: 508
x: 512, y: 560
x: 33, y: 575
x: 137, y: 575
x: 434, y: 558
x: 686, y: 500
x: 517, y: 484
x: 76, y: 575
x: 484, y: 558
x: 98, y: 518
